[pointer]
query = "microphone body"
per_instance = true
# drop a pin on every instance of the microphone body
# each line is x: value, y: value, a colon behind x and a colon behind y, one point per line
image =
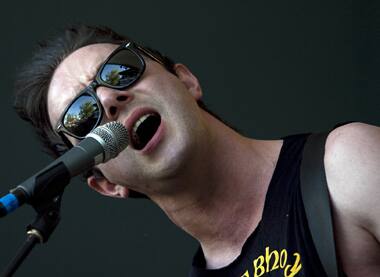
x: 101, y: 145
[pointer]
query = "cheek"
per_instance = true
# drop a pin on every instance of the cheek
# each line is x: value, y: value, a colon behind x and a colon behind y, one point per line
x: 109, y: 171
x: 115, y: 170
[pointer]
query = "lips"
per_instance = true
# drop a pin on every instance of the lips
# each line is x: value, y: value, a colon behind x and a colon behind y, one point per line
x: 142, y: 125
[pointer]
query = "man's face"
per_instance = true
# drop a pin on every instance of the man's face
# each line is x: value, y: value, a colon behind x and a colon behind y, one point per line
x: 173, y: 98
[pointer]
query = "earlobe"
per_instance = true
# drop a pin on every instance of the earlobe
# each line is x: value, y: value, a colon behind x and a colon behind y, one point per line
x: 189, y: 80
x: 105, y: 187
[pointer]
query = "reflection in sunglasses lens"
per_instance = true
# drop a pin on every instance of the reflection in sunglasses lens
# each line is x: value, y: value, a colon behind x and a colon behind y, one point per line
x: 122, y: 69
x: 82, y: 116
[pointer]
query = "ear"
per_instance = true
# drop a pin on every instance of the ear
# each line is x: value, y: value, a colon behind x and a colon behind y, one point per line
x: 189, y: 80
x: 105, y: 187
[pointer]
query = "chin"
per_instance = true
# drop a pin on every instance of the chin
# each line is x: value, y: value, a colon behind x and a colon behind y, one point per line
x: 174, y: 159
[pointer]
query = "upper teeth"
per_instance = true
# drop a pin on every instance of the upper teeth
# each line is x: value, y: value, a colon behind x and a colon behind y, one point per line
x: 139, y: 121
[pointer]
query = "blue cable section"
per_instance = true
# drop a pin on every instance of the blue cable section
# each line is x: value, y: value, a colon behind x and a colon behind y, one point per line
x: 9, y: 202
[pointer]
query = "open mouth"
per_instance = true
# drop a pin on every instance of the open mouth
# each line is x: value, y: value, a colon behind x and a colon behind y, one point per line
x: 144, y: 129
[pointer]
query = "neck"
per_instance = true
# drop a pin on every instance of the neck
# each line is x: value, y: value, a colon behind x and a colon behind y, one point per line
x: 230, y: 184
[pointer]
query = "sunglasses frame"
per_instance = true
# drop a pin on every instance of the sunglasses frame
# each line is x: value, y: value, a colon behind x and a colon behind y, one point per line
x: 91, y: 89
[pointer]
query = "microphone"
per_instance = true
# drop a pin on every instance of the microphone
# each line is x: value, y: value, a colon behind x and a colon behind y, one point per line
x: 102, y: 144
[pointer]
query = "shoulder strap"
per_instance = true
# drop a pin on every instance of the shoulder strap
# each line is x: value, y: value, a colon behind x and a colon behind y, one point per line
x: 317, y: 202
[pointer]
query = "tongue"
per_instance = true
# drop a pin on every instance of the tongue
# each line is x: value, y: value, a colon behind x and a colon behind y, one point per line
x: 146, y: 131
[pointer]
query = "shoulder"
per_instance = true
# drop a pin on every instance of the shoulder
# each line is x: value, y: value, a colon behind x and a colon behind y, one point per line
x: 353, y: 143
x: 353, y: 146
x: 352, y: 163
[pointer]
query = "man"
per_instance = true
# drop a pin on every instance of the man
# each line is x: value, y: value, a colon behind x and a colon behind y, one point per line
x: 239, y: 197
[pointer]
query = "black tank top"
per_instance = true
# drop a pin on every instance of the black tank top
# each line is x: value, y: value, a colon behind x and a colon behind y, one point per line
x: 281, y: 245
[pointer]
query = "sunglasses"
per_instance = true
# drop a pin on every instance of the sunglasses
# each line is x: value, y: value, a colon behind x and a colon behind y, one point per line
x: 121, y: 70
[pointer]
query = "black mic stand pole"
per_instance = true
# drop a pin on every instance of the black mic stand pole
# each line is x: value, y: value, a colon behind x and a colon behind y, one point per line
x: 47, y: 219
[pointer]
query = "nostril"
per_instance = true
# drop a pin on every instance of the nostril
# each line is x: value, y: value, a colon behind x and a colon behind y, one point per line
x: 113, y: 110
x: 121, y: 98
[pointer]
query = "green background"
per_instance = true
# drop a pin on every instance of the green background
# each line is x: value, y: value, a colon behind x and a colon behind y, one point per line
x: 270, y: 68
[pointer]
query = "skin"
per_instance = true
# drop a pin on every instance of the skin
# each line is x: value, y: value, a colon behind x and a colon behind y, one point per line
x: 187, y: 175
x: 352, y: 163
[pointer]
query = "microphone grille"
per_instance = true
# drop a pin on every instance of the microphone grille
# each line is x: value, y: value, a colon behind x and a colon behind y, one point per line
x: 115, y: 138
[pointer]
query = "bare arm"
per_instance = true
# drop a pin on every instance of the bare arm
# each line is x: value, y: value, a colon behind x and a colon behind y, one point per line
x: 352, y: 164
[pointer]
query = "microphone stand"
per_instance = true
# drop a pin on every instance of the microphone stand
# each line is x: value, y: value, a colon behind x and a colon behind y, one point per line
x: 47, y: 219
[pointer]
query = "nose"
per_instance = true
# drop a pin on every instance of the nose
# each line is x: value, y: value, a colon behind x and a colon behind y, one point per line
x: 113, y: 101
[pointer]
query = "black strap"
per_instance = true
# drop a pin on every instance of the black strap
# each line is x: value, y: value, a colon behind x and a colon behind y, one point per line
x: 317, y: 202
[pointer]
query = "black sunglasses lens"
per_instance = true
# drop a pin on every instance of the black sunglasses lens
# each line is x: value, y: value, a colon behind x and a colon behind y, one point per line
x: 122, y: 69
x: 82, y: 116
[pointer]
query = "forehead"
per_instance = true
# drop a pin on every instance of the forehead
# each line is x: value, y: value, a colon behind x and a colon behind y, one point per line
x: 74, y: 73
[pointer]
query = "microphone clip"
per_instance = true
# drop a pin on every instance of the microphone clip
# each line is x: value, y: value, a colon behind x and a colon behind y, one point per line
x: 47, y: 219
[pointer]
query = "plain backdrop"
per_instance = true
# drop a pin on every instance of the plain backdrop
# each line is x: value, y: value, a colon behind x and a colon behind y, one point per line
x: 270, y: 68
